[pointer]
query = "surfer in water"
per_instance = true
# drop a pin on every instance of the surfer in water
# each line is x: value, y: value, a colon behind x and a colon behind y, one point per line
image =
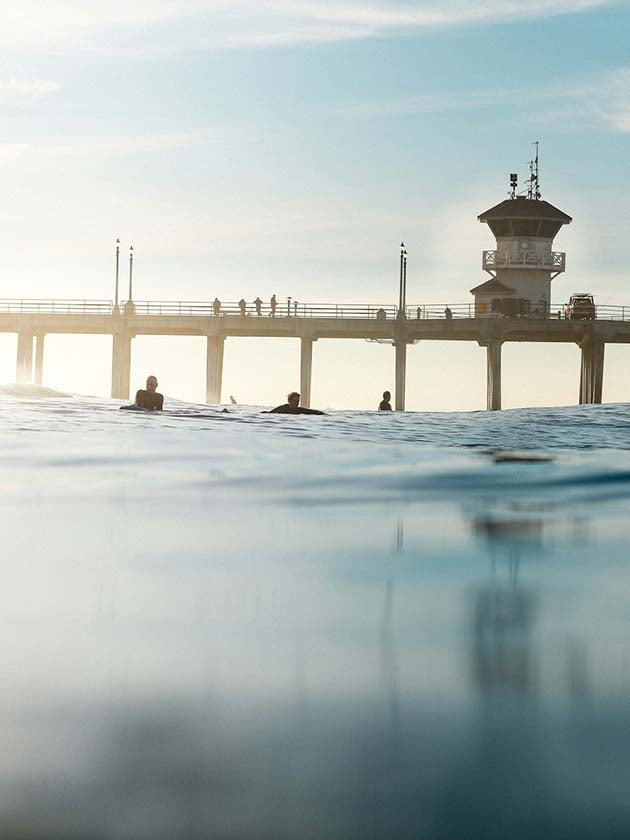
x: 149, y: 398
x: 385, y: 404
x: 292, y: 406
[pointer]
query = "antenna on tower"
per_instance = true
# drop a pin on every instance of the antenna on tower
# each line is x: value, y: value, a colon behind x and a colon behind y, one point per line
x: 513, y: 184
x: 533, y: 187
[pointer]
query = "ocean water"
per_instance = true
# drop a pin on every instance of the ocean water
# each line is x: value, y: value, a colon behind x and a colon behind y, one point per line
x: 360, y: 625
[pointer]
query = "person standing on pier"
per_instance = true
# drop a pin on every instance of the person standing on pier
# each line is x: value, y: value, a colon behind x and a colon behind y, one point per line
x: 258, y: 305
x: 447, y: 313
x: 216, y: 306
x: 385, y: 404
x: 242, y: 305
x: 273, y: 303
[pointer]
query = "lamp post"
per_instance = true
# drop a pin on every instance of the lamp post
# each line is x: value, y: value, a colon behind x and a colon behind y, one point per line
x: 117, y: 267
x: 130, y: 298
x: 402, y: 291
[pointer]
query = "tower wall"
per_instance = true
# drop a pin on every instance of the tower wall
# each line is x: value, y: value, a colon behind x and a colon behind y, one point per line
x: 529, y: 284
x: 513, y: 245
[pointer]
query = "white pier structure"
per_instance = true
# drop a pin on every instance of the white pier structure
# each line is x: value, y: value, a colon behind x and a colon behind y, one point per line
x: 33, y: 320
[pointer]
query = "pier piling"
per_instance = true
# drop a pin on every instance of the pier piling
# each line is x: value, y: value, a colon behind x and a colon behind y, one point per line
x: 591, y: 371
x: 24, y: 372
x: 401, y: 371
x: 306, y: 370
x: 214, y: 368
x: 121, y: 365
x: 494, y: 374
x: 39, y: 359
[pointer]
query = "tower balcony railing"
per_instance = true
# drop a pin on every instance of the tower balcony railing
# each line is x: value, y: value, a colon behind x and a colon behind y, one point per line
x: 550, y: 261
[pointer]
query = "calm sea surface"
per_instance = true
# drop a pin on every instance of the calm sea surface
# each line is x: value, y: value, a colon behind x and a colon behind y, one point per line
x: 353, y: 626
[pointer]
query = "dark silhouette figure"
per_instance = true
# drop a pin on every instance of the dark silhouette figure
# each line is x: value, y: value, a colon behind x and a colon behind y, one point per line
x: 216, y: 306
x: 419, y: 313
x: 149, y: 398
x: 242, y: 305
x: 381, y: 315
x: 385, y: 404
x: 258, y: 305
x: 274, y: 304
x: 292, y: 406
x: 448, y: 314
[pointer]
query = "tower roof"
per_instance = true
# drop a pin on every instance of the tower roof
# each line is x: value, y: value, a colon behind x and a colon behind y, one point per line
x: 491, y: 286
x: 525, y: 208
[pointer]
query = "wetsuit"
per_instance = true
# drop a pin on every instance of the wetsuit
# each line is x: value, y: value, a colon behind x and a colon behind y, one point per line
x: 150, y: 400
x: 288, y: 409
x: 384, y: 406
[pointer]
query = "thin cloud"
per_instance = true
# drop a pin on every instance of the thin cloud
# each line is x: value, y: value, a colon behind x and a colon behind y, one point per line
x: 610, y: 100
x: 25, y: 89
x: 148, y: 27
x: 431, y: 103
x: 115, y: 146
x: 604, y: 99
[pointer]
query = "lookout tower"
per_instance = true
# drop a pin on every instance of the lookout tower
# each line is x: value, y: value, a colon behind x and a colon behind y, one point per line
x: 523, y: 264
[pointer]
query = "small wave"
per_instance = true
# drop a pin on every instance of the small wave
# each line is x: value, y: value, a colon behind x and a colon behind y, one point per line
x: 31, y: 391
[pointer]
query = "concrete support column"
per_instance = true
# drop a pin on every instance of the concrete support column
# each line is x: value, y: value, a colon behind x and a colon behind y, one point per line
x: 121, y: 365
x: 598, y: 372
x: 306, y: 370
x: 401, y: 372
x: 585, y: 374
x: 214, y: 368
x: 591, y: 371
x: 39, y: 359
x: 24, y: 371
x: 494, y: 374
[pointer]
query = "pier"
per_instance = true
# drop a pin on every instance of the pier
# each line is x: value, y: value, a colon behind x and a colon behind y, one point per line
x: 33, y: 320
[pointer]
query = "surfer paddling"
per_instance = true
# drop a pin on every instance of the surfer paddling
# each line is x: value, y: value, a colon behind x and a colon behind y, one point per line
x: 292, y: 406
x: 149, y: 398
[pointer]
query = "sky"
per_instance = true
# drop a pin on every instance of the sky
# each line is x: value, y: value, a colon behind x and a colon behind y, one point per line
x: 252, y: 147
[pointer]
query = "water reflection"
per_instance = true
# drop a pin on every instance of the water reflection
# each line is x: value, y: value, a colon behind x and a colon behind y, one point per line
x: 425, y: 710
x: 503, y: 609
x: 389, y: 665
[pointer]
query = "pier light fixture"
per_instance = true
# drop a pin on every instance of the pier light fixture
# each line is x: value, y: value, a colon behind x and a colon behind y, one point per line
x: 117, y: 274
x: 402, y: 290
x: 130, y: 272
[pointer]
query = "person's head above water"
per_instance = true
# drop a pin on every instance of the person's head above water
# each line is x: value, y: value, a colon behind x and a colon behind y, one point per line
x: 152, y: 383
x: 387, y: 396
x: 293, y: 399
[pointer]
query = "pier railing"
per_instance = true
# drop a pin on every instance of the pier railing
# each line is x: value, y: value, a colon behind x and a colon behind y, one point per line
x: 56, y: 306
x: 289, y: 309
x: 283, y: 309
